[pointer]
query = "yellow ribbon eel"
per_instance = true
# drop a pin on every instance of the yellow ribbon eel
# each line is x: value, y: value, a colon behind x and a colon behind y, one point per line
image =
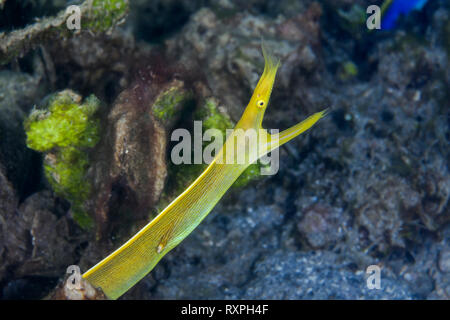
x: 123, y: 268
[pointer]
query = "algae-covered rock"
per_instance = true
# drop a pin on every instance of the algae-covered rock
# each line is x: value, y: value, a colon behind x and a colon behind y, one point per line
x: 103, y: 15
x: 213, y: 116
x: 96, y: 16
x: 66, y: 122
x: 169, y: 103
x: 129, y: 167
x: 64, y: 131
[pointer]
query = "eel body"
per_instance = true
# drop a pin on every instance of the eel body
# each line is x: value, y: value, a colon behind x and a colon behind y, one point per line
x: 123, y: 268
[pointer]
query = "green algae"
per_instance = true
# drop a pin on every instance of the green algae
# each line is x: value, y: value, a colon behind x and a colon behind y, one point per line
x: 64, y: 131
x: 105, y: 14
x: 63, y: 124
x: 348, y: 70
x: 170, y: 102
x: 212, y: 118
x: 252, y: 173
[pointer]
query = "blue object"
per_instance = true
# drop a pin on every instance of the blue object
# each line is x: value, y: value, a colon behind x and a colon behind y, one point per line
x: 397, y: 8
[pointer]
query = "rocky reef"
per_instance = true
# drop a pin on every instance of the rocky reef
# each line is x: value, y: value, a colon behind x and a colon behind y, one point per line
x: 85, y: 125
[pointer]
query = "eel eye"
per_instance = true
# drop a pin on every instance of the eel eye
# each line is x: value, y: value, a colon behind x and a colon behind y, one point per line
x: 260, y: 103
